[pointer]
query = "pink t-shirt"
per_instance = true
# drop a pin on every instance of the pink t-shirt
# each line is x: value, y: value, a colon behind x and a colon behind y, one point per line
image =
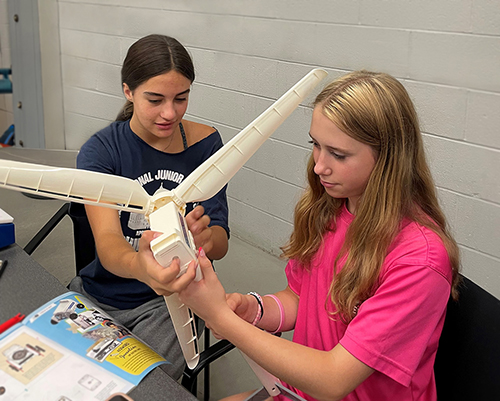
x: 397, y: 330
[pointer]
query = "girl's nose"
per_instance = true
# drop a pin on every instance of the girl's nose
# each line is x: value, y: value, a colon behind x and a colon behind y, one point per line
x: 168, y: 111
x: 320, y: 166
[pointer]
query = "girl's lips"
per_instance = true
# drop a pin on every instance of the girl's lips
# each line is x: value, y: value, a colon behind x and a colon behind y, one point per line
x: 164, y: 125
x: 327, y: 184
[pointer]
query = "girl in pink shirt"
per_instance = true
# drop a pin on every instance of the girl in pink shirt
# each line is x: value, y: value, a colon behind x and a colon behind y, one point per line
x: 371, y: 261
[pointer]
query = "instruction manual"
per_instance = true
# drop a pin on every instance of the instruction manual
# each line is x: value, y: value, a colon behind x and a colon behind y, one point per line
x: 68, y: 350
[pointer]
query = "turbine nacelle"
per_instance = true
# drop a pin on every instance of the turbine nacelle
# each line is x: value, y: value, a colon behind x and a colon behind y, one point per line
x: 162, y: 197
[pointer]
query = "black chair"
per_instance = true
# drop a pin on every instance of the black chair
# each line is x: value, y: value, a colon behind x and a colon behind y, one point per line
x: 467, y: 363
x: 85, y: 253
x: 82, y: 234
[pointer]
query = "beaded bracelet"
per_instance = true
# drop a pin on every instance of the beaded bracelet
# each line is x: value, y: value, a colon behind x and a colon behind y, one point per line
x: 260, y: 310
x: 282, y: 313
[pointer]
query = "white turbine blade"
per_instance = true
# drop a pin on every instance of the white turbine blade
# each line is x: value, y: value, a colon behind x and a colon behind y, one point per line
x: 185, y: 328
x: 75, y: 185
x: 215, y: 172
x: 177, y: 241
x: 268, y: 380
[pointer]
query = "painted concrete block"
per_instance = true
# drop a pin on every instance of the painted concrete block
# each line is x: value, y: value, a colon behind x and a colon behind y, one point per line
x: 265, y: 193
x: 462, y: 60
x: 290, y: 163
x: 485, y: 17
x: 464, y: 168
x: 444, y: 15
x: 82, y: 127
x: 482, y: 269
x: 478, y: 225
x: 441, y: 109
x: 483, y: 119
x: 258, y: 228
x: 91, y: 103
x: 94, y: 46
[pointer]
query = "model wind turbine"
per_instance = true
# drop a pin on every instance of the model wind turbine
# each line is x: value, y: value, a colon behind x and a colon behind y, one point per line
x: 165, y: 209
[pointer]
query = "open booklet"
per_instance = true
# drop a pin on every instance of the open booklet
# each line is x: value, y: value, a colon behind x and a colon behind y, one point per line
x: 69, y: 350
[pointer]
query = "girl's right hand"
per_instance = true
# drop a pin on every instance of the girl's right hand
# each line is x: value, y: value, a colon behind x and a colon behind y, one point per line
x: 243, y: 305
x: 163, y: 280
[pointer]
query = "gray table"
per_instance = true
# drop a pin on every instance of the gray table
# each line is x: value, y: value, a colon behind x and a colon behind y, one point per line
x: 56, y: 158
x: 25, y: 285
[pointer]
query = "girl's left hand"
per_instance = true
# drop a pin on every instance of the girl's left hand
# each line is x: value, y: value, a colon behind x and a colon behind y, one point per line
x: 198, y: 223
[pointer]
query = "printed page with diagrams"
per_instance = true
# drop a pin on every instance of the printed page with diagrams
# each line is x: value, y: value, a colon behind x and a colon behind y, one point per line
x: 69, y: 350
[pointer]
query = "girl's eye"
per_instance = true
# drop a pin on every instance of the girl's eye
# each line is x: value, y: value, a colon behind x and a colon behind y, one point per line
x: 337, y: 156
x: 154, y: 101
x: 180, y: 100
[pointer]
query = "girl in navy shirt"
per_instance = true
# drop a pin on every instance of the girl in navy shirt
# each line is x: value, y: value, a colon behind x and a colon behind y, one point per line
x: 149, y: 142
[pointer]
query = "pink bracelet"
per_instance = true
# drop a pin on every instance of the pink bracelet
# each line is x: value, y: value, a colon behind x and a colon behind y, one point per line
x: 282, y: 312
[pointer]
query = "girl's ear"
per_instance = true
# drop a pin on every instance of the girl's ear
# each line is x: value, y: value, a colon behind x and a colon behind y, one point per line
x: 127, y: 92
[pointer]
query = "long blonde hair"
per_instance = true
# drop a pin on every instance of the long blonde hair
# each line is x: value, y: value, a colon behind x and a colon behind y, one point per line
x: 375, y: 109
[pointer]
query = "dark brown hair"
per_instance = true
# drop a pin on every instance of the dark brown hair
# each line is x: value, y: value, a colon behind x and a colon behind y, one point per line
x: 149, y: 57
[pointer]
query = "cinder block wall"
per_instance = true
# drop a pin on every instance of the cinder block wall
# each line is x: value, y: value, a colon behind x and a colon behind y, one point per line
x: 447, y: 53
x: 6, y: 115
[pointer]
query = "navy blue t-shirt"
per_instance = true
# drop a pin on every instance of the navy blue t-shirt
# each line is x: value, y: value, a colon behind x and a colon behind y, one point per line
x: 117, y: 150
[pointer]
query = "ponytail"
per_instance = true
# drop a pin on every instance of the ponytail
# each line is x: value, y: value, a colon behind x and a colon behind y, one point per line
x: 126, y: 112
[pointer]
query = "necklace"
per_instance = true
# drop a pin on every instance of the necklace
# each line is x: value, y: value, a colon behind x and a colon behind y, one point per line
x: 170, y: 143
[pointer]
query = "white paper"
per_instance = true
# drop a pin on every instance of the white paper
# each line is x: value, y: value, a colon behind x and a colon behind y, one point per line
x: 5, y: 217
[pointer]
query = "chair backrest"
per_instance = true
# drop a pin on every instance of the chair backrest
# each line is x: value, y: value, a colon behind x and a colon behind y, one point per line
x: 467, y: 363
x: 83, y: 237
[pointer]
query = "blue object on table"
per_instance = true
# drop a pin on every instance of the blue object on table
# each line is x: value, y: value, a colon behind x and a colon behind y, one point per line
x: 7, y: 234
x: 5, y: 83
